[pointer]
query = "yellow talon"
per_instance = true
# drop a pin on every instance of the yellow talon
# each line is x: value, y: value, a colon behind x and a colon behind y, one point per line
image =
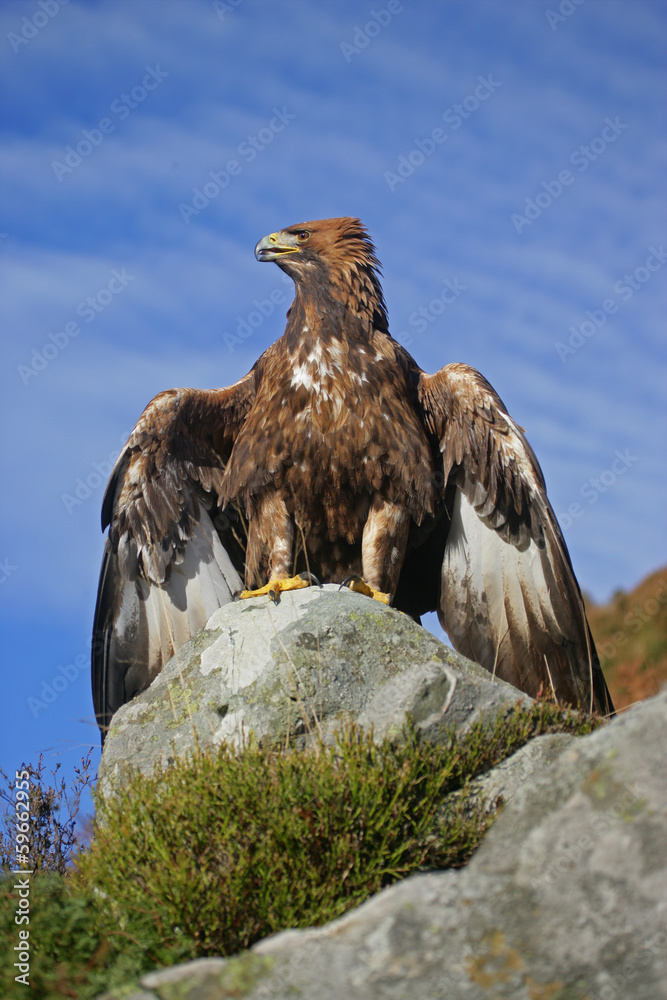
x: 361, y: 587
x: 274, y: 588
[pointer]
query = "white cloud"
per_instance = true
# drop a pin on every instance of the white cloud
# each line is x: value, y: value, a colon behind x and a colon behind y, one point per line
x: 451, y: 218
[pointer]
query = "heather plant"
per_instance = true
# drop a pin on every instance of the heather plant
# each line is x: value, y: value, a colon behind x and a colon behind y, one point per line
x: 54, y: 812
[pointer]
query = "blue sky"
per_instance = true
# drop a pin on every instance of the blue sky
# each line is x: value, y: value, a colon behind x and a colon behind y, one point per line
x: 508, y: 160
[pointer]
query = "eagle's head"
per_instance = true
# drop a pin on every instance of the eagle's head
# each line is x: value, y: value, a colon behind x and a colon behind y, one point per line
x: 336, y: 255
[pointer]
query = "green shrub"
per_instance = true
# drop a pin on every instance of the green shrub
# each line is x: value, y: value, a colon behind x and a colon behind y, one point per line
x: 70, y: 955
x: 211, y: 855
x: 214, y: 852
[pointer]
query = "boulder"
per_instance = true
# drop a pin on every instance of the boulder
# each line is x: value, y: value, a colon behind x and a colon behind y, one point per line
x: 501, y: 783
x: 297, y: 670
x: 565, y: 900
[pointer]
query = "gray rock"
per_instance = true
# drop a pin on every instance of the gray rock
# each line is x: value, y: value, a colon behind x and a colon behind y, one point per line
x: 207, y: 978
x: 502, y: 782
x: 297, y: 670
x: 565, y: 900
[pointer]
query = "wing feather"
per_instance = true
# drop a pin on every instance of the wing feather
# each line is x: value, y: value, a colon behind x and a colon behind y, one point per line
x: 169, y: 562
x: 508, y: 596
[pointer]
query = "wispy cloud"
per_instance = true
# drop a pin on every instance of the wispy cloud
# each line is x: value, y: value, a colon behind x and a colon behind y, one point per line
x: 196, y: 291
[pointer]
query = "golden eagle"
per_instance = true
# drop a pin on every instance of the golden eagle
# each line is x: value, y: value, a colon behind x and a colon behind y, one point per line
x: 336, y: 454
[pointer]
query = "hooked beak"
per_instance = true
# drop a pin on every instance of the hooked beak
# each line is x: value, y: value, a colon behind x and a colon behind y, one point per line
x: 275, y: 245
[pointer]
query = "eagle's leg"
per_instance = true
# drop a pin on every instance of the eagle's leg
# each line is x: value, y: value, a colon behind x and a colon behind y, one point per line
x: 272, y: 529
x: 383, y: 547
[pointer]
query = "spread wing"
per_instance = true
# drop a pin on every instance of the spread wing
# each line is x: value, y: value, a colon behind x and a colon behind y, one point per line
x: 509, y: 599
x: 171, y: 557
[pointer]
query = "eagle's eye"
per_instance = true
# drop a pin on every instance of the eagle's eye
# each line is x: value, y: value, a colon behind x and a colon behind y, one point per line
x: 302, y: 235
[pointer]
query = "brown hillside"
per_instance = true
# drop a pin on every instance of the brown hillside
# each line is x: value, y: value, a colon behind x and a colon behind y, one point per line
x: 630, y: 633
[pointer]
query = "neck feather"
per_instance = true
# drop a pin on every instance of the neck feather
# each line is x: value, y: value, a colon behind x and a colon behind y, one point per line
x: 346, y: 305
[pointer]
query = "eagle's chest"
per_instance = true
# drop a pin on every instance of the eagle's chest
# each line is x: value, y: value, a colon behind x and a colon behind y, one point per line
x: 333, y: 422
x: 337, y: 400
x: 326, y: 393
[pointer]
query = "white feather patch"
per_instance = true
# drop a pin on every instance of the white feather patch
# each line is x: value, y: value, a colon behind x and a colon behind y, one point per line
x: 204, y: 581
x: 495, y: 603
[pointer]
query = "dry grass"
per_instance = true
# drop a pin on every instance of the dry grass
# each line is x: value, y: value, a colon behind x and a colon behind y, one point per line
x: 630, y: 633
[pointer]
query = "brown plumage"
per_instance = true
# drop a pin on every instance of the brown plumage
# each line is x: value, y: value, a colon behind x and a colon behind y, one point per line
x: 421, y: 484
